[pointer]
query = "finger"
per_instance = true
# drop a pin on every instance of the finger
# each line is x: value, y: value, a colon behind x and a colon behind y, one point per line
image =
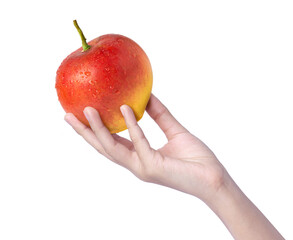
x: 140, y: 143
x: 119, y: 153
x: 86, y: 133
x: 165, y: 120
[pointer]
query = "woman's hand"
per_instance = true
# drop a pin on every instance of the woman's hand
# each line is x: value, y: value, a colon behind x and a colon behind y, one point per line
x: 183, y: 163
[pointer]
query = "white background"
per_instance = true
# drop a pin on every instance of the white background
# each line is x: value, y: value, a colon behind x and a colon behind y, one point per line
x: 223, y: 68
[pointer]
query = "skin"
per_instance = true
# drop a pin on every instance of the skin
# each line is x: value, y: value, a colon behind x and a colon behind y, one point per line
x: 185, y: 163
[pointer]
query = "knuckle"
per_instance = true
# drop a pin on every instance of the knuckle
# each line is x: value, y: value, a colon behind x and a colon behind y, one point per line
x: 96, y: 129
x: 83, y: 130
x: 110, y: 148
x: 161, y: 113
x: 136, y: 134
x: 100, y: 150
x: 146, y: 174
x: 148, y: 171
x: 135, y: 139
x: 133, y: 128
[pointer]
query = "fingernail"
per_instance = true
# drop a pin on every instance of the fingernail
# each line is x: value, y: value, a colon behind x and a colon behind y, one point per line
x: 67, y: 119
x: 86, y: 114
x: 122, y: 109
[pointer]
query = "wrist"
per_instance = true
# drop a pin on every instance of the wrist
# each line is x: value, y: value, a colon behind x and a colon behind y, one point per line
x: 227, y: 203
x: 218, y: 185
x: 241, y: 217
x: 226, y: 193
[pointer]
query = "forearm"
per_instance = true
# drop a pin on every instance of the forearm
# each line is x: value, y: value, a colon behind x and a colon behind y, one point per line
x: 241, y: 217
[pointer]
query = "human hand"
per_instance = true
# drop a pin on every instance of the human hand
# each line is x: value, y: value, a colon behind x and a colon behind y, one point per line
x: 184, y: 163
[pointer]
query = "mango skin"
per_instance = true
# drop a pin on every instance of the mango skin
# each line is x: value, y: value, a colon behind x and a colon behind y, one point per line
x: 114, y: 71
